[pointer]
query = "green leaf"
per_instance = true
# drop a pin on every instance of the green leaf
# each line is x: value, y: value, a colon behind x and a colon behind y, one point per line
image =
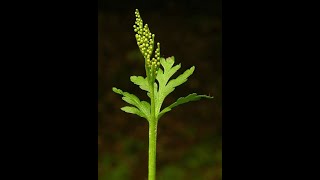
x: 142, y: 106
x: 162, y: 88
x: 132, y: 110
x: 141, y: 82
x: 166, y: 86
x: 182, y: 100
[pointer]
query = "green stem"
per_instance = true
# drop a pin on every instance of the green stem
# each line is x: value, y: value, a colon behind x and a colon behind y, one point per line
x: 152, y: 139
x: 152, y: 151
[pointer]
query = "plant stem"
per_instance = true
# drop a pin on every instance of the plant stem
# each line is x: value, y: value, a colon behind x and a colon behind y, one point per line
x: 152, y: 151
x: 152, y: 139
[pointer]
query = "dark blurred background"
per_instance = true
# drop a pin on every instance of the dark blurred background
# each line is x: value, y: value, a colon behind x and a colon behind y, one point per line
x: 189, y: 137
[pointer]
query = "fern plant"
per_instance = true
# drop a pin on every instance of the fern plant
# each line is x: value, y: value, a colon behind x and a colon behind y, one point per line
x: 158, y: 86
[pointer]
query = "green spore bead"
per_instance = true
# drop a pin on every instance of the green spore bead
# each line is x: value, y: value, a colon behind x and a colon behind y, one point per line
x: 145, y: 41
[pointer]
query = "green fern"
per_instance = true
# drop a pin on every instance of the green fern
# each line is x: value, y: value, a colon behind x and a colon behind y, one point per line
x: 158, y: 85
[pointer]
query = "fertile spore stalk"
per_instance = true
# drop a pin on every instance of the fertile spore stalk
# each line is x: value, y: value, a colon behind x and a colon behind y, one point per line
x: 158, y: 90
